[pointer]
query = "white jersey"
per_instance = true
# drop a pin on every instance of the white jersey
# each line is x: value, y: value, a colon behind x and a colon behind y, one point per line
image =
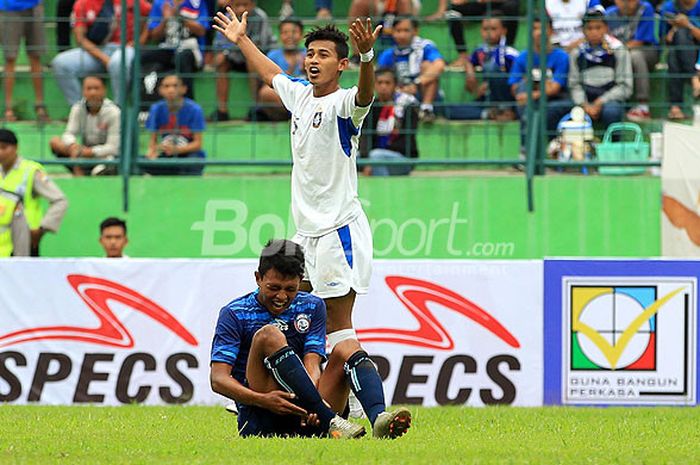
x: 567, y: 20
x: 325, y: 139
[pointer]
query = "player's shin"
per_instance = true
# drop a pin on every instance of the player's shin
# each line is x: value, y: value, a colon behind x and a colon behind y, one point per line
x: 288, y: 370
x: 365, y: 383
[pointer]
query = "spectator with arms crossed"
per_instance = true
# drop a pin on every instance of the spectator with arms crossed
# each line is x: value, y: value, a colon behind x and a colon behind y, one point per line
x: 331, y: 225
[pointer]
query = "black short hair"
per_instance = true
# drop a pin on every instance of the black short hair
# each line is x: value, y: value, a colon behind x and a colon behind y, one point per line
x: 112, y: 221
x: 95, y: 76
x: 383, y: 71
x: 412, y: 19
x: 285, y: 256
x: 497, y: 15
x: 332, y: 33
x: 537, y: 18
x: 597, y: 13
x: 292, y: 20
x: 171, y: 74
x: 8, y: 137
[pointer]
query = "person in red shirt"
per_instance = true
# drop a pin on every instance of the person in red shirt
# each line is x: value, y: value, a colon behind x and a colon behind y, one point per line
x: 97, y: 32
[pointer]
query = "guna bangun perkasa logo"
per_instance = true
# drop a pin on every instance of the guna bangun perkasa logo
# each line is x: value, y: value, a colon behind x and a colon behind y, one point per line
x: 614, y: 328
x: 629, y: 340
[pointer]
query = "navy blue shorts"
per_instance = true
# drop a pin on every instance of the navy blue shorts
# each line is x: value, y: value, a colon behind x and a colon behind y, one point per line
x: 255, y: 421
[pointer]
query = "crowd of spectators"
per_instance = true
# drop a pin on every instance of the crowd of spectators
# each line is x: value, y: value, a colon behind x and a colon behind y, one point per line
x: 600, y: 55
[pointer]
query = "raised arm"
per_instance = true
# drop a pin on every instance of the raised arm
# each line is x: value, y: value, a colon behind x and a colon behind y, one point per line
x: 235, y: 30
x: 364, y: 40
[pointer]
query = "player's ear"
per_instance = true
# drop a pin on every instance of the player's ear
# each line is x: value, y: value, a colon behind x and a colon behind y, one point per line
x: 258, y: 278
x: 343, y: 64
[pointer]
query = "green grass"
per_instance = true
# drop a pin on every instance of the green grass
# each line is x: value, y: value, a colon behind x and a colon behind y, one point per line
x: 450, y: 435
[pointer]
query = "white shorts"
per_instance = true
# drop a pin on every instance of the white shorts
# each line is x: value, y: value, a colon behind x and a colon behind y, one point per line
x: 339, y: 261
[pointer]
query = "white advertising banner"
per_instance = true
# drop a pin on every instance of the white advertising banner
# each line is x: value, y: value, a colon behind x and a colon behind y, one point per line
x: 139, y: 331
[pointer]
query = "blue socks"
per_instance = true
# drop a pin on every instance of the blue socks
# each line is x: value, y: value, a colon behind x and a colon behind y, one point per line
x: 366, y: 384
x: 288, y: 370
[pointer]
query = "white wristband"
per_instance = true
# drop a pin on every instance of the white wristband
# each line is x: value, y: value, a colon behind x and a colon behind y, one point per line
x: 367, y: 56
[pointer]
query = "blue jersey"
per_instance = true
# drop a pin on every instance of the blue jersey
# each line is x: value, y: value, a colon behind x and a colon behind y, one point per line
x: 557, y: 67
x: 672, y: 8
x: 178, y: 128
x: 639, y: 26
x: 303, y: 324
x: 406, y: 61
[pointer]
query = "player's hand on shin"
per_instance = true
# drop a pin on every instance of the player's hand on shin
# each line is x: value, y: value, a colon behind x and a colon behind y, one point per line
x: 310, y: 420
x: 280, y: 402
x: 362, y: 35
x: 230, y: 26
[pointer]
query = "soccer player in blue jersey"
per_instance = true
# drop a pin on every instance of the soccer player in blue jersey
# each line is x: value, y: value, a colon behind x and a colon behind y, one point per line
x: 267, y: 352
x: 331, y: 226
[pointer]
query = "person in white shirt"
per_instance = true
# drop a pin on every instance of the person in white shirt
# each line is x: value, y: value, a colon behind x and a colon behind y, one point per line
x: 567, y: 21
x: 331, y: 226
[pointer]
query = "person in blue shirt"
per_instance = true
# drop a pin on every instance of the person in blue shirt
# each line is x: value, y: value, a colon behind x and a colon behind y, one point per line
x: 266, y: 355
x: 680, y: 28
x: 290, y: 59
x: 176, y: 124
x: 494, y: 59
x: 554, y: 85
x: 632, y: 22
x: 417, y: 63
x: 177, y: 28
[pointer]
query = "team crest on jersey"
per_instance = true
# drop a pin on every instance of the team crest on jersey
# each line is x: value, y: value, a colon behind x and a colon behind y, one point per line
x: 302, y: 323
x: 318, y: 118
x: 280, y: 324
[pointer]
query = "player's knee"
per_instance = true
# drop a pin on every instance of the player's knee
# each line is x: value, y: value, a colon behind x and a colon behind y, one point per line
x: 269, y: 336
x: 345, y: 349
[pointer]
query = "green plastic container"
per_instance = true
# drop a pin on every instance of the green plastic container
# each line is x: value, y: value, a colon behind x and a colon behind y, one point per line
x: 638, y: 150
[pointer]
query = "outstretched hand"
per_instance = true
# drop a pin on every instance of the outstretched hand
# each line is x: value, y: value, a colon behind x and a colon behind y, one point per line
x: 229, y: 25
x: 362, y: 36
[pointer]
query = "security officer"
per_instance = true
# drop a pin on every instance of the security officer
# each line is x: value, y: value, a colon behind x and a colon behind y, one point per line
x: 22, y: 183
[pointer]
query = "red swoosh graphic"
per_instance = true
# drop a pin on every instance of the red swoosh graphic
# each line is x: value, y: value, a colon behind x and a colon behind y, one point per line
x: 414, y: 294
x: 96, y: 293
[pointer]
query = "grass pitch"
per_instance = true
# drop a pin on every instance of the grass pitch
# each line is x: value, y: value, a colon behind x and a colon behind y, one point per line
x: 450, y: 435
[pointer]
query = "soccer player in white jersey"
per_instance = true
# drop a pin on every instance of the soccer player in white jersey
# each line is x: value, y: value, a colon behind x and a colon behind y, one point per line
x: 331, y: 226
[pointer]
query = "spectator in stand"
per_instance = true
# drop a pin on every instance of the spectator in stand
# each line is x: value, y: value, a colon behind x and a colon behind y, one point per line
x: 230, y: 56
x: 22, y: 185
x: 392, y: 125
x: 458, y: 10
x: 290, y: 59
x: 93, y: 127
x: 176, y: 124
x: 99, y: 44
x: 680, y: 28
x: 23, y: 19
x: 178, y: 27
x: 113, y: 237
x: 600, y: 71
x: 632, y: 22
x: 495, y: 60
x: 323, y: 9
x: 417, y: 63
x: 567, y: 21
x: 63, y: 12
x: 555, y: 81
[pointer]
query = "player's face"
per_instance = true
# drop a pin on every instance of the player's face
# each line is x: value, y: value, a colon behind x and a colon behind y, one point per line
x: 492, y: 30
x: 113, y: 240
x: 404, y: 33
x: 290, y: 35
x: 8, y: 153
x: 385, y: 85
x: 322, y: 64
x: 276, y: 290
x: 595, y: 32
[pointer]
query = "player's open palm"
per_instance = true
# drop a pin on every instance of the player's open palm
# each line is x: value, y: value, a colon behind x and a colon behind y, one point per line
x: 362, y: 35
x: 280, y: 402
x: 229, y: 25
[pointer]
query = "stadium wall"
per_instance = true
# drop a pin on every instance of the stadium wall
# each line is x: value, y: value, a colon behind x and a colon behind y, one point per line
x: 415, y: 217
